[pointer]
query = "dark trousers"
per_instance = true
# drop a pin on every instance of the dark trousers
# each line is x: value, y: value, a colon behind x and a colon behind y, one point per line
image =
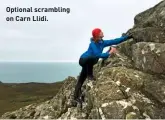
x: 87, y: 70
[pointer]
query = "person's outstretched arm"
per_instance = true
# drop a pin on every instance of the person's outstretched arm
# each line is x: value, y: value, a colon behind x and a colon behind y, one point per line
x: 115, y: 41
x: 97, y: 52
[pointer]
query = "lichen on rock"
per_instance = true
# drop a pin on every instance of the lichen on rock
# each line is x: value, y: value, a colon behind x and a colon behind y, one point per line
x: 129, y: 85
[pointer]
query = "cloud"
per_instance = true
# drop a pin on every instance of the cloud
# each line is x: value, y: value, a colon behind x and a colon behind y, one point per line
x: 64, y: 36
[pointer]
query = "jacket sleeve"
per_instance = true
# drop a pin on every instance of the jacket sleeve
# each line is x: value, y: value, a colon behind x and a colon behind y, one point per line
x: 114, y: 41
x: 97, y: 53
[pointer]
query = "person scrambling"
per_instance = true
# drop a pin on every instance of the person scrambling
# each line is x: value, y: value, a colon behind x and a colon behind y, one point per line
x: 89, y: 58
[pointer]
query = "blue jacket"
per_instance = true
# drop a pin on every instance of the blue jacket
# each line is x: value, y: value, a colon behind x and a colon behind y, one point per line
x: 95, y: 49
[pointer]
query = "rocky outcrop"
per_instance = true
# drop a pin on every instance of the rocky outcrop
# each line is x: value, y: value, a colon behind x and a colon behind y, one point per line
x: 129, y: 85
x: 149, y: 57
x: 147, y: 49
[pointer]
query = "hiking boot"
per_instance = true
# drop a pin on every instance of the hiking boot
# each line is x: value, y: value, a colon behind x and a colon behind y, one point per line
x: 92, y: 78
x: 75, y: 102
x: 82, y: 97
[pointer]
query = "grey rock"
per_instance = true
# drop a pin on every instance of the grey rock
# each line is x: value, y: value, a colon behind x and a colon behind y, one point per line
x: 153, y: 17
x: 148, y: 34
x: 129, y: 84
x: 149, y: 57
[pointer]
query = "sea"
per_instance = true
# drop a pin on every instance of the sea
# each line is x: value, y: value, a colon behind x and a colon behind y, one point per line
x: 39, y: 72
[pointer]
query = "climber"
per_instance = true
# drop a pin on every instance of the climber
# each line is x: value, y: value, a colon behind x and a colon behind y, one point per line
x: 89, y: 58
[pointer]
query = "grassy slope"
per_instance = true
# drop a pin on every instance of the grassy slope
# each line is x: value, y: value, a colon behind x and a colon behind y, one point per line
x: 15, y: 96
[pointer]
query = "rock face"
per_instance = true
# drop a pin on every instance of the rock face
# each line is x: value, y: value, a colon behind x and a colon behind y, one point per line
x: 147, y: 50
x: 129, y: 85
x: 149, y: 57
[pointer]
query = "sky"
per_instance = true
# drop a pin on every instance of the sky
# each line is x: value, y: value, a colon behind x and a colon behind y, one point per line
x: 64, y: 37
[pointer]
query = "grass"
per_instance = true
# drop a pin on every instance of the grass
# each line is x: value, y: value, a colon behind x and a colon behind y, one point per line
x: 14, y: 96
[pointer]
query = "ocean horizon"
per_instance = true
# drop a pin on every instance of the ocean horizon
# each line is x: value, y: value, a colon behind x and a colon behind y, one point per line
x: 37, y: 71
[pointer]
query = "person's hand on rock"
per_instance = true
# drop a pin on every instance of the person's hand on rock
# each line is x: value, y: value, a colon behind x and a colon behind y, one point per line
x: 124, y: 34
x: 129, y: 33
x: 113, y: 50
x: 130, y: 36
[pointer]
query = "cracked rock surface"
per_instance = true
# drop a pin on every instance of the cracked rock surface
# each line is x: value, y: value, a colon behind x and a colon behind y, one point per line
x: 129, y: 85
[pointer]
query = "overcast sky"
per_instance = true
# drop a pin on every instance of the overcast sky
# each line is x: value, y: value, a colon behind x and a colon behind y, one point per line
x: 65, y: 36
